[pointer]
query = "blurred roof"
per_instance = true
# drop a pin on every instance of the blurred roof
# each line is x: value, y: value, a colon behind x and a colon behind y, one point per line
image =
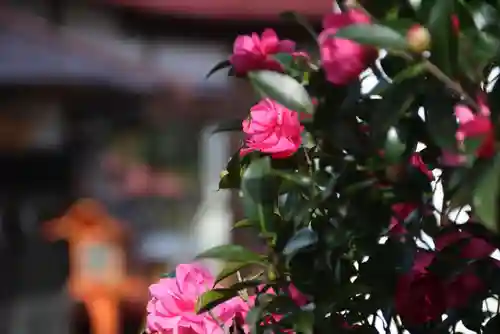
x: 34, y: 53
x: 231, y: 9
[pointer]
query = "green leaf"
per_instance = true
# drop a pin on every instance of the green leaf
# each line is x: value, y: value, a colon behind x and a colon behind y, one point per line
x: 231, y: 177
x: 439, y: 25
x: 303, y: 322
x: 477, y: 50
x: 231, y: 253
x: 229, y: 269
x: 400, y: 25
x: 238, y: 286
x: 259, y: 190
x: 442, y: 123
x: 285, y: 59
x: 293, y: 16
x: 301, y: 239
x: 394, y: 146
x: 256, y: 178
x: 463, y: 181
x: 396, y: 101
x: 292, y: 204
x: 408, y: 72
x: 219, y: 66
x: 482, y: 13
x: 283, y: 89
x: 485, y: 197
x: 376, y: 35
x: 470, y: 147
x: 214, y: 297
x: 294, y: 178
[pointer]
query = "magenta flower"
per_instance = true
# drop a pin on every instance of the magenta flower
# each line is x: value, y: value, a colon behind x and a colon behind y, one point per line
x: 272, y: 129
x: 255, y: 53
x: 472, y: 126
x: 173, y: 301
x: 344, y: 60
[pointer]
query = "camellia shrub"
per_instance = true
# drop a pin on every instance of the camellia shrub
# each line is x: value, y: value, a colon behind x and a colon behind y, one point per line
x: 340, y: 183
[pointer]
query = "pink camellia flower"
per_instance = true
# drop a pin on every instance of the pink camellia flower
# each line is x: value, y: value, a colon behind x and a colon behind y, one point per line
x: 173, y: 301
x: 473, y: 126
x: 344, y: 60
x: 255, y: 53
x: 272, y: 129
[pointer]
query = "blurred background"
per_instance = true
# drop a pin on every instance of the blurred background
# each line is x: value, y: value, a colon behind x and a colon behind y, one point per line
x: 107, y: 100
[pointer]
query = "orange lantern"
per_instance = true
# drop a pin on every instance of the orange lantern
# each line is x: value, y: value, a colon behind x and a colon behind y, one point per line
x: 98, y: 276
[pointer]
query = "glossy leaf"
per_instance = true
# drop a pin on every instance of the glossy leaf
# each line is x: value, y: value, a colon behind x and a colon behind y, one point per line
x: 283, y: 89
x: 375, y: 35
x: 257, y: 180
x: 394, y: 146
x: 303, y: 322
x: 442, y: 123
x: 214, y: 297
x: 397, y: 100
x: 259, y: 190
x: 285, y: 59
x: 486, y: 195
x: 229, y: 269
x: 231, y: 177
x: 303, y: 238
x: 439, y: 25
x: 231, y: 253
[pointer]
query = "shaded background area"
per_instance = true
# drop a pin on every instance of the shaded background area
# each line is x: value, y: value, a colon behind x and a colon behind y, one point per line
x: 108, y: 100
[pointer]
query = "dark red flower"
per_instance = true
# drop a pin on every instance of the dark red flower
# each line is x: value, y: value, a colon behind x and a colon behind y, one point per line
x: 460, y: 290
x: 420, y: 295
x: 466, y: 284
x: 475, y: 249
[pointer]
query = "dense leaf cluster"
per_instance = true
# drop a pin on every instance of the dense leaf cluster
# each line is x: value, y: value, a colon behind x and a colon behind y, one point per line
x: 331, y: 215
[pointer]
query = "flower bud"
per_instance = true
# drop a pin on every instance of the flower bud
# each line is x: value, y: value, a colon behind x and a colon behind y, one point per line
x: 418, y: 38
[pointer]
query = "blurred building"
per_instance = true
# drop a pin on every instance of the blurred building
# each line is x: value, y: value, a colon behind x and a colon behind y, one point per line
x: 107, y: 99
